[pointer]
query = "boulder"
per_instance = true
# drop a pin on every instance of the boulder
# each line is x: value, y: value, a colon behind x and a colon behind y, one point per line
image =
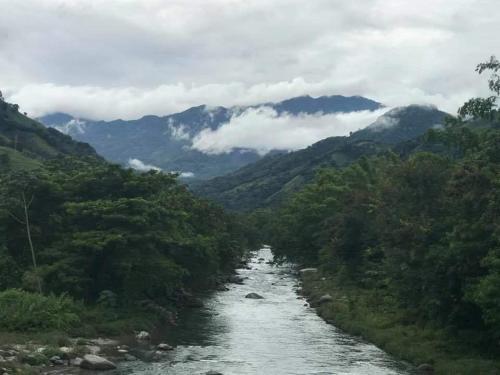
x: 56, y: 360
x: 164, y: 347
x: 96, y: 363
x: 76, y: 362
x: 254, y: 296
x: 212, y: 372
x: 143, y: 336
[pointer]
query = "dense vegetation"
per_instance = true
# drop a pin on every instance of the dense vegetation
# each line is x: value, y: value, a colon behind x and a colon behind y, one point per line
x: 272, y: 179
x: 97, y: 233
x: 418, y: 230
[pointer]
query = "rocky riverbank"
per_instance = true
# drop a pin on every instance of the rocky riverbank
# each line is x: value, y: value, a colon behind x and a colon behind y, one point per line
x: 59, y: 353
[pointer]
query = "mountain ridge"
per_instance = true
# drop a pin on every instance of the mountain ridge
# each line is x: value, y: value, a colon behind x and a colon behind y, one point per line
x: 166, y: 141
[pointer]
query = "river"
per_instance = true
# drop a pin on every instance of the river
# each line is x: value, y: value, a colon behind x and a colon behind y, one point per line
x: 276, y: 335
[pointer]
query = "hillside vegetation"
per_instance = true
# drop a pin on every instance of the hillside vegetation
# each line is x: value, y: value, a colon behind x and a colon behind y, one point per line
x: 408, y: 245
x: 75, y: 226
x: 25, y: 142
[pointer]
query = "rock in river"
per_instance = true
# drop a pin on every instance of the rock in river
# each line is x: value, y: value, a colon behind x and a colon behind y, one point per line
x: 143, y: 336
x: 164, y: 346
x: 94, y: 362
x: 254, y: 296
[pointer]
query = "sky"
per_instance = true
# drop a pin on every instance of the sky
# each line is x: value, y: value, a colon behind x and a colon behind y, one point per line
x: 128, y: 58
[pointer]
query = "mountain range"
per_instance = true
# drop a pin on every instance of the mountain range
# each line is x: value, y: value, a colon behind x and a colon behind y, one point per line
x: 165, y: 142
x: 266, y: 182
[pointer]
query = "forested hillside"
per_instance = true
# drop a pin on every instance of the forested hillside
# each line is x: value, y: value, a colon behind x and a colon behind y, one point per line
x: 74, y: 225
x: 25, y: 143
x: 411, y: 243
x: 268, y: 181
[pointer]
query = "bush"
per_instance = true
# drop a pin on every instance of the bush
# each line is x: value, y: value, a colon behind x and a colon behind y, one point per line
x: 24, y: 311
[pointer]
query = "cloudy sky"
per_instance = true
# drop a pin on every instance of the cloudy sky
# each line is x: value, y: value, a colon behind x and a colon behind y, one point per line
x: 107, y: 59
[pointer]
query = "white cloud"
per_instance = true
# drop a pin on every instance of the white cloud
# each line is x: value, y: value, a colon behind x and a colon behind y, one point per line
x: 124, y: 59
x: 178, y: 132
x: 263, y: 130
x: 72, y: 126
x: 187, y: 174
x: 140, y: 166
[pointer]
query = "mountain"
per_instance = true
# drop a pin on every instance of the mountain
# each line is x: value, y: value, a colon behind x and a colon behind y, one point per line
x: 267, y: 181
x: 25, y: 142
x: 166, y: 141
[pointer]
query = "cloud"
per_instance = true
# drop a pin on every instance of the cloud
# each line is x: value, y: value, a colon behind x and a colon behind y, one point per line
x: 178, y: 132
x: 125, y: 59
x: 263, y: 130
x: 186, y: 174
x: 140, y: 166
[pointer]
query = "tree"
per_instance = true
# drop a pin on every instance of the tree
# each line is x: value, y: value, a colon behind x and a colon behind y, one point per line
x: 485, y: 108
x: 18, y: 193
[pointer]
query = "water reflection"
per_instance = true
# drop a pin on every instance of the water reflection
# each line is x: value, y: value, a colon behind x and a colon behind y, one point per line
x: 276, y: 335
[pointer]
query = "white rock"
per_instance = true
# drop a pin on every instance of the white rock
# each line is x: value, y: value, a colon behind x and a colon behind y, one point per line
x: 94, y: 362
x: 143, y: 335
x: 164, y: 346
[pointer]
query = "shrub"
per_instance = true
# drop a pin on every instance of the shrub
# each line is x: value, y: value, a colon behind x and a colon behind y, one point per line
x: 24, y: 311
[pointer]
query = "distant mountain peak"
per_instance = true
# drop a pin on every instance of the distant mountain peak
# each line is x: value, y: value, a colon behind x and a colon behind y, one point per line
x: 165, y: 141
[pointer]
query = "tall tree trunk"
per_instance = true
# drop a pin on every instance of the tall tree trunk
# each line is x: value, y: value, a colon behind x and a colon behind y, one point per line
x: 28, y: 232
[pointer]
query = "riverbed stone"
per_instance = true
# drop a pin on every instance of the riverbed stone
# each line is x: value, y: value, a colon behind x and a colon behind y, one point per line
x: 96, y: 363
x: 76, y: 362
x: 143, y: 336
x: 164, y: 347
x: 254, y: 296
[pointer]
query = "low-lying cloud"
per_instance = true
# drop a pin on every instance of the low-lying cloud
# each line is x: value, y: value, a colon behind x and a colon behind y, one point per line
x: 141, y: 166
x: 262, y: 129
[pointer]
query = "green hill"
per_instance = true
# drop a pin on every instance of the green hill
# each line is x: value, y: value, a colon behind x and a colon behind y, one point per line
x: 24, y: 143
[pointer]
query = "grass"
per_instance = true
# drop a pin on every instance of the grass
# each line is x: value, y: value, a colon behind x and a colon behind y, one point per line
x: 374, y: 315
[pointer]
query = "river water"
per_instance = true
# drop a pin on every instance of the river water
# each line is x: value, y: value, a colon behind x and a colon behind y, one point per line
x: 276, y: 335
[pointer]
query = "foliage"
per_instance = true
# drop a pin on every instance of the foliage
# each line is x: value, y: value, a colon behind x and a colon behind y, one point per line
x: 423, y: 226
x: 24, y: 311
x: 97, y: 227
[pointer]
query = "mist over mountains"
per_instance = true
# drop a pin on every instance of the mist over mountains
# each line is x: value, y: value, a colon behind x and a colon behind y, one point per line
x: 270, y: 180
x: 203, y: 142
